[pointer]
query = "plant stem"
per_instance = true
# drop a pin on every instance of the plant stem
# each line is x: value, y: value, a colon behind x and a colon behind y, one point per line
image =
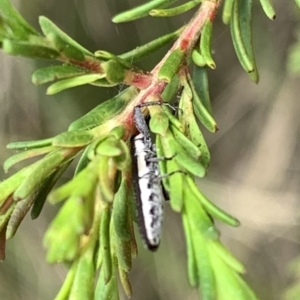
x: 153, y: 88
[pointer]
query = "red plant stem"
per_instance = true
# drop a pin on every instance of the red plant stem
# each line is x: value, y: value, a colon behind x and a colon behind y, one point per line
x: 150, y: 86
x: 153, y: 87
x: 191, y: 33
x: 185, y: 42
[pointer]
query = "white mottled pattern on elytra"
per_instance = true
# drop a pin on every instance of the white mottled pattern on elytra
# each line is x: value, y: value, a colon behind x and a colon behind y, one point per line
x: 151, y: 194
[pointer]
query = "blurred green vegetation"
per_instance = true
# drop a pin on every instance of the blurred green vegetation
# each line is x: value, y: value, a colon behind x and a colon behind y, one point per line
x: 255, y: 170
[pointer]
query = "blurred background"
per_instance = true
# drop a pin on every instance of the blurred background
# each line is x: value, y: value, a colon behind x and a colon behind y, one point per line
x: 255, y: 169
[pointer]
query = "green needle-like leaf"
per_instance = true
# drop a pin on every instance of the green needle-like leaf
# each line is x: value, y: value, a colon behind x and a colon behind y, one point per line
x: 29, y: 144
x: 186, y: 143
x: 9, y: 185
x: 106, y: 290
x: 63, y: 236
x: 62, y: 41
x: 171, y: 66
x: 81, y: 186
x: 83, y: 284
x: 73, y: 82
x: 39, y: 172
x: 205, y: 44
x: 147, y: 49
x: 141, y: 10
x: 200, y: 79
x: 159, y: 123
x: 268, y: 9
x: 191, y: 258
x: 45, y: 189
x: 107, y: 264
x: 16, y: 26
x: 104, y: 111
x: 174, y: 11
x: 78, y: 138
x: 52, y: 73
x: 120, y: 213
x: 26, y: 155
x: 29, y: 49
x: 211, y: 208
x: 67, y: 285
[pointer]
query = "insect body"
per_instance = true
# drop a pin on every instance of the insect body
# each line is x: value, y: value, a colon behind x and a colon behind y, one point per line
x: 147, y: 184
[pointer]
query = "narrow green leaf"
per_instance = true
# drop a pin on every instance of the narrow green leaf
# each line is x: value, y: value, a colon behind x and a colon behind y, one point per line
x: 198, y: 218
x: 45, y: 189
x: 104, y: 111
x: 228, y: 258
x: 297, y: 2
x: 172, y: 119
x: 123, y: 252
x: 185, y: 143
x: 227, y: 10
x: 174, y: 11
x: 176, y: 181
x: 81, y: 186
x: 29, y: 144
x: 198, y: 58
x: 9, y: 185
x: 106, y: 290
x: 200, y: 110
x: 67, y: 285
x: 105, y: 245
x: 103, y: 82
x: 246, y: 12
x: 83, y: 284
x: 159, y: 123
x: 141, y: 10
x: 11, y: 161
x: 200, y: 226
x: 63, y: 236
x: 4, y: 216
x: 28, y: 49
x: 189, y: 164
x: 38, y: 173
x: 145, y: 50
x: 190, y: 125
x: 105, y: 183
x: 268, y: 9
x: 120, y: 212
x: 205, y: 44
x: 162, y: 162
x: 78, y: 138
x: 171, y: 65
x: 211, y: 208
x: 191, y: 258
x: 228, y: 283
x: 62, y: 41
x: 19, y: 212
x: 72, y: 82
x: 200, y: 79
x: 52, y: 73
x: 17, y: 27
x: 241, y: 32
x: 125, y: 282
x: 170, y: 90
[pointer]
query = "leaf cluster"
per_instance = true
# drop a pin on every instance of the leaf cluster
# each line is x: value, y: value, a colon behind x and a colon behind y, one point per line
x: 93, y: 231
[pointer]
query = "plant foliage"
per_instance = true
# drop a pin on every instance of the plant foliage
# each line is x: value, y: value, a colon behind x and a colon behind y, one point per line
x: 93, y: 231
